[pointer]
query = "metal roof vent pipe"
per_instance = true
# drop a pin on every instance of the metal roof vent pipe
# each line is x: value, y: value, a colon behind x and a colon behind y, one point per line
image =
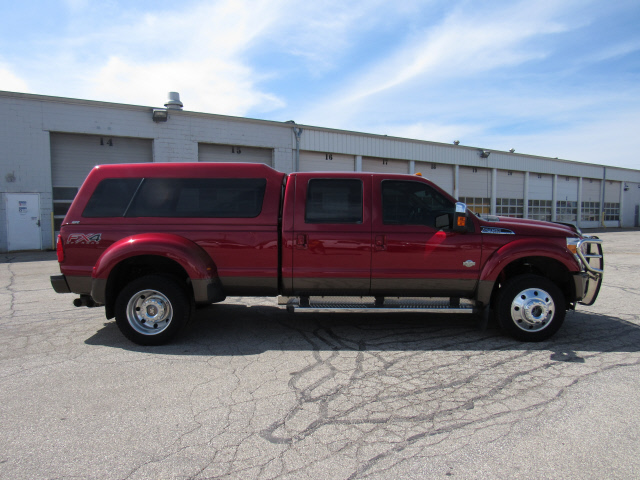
x: 174, y: 102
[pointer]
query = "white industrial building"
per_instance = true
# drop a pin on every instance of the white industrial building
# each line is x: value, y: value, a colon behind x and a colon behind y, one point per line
x: 49, y: 144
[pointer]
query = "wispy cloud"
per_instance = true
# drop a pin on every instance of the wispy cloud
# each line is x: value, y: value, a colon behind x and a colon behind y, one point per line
x: 614, y: 51
x: 200, y: 53
x: 496, y: 75
x: 137, y: 57
x: 10, y: 81
x: 322, y: 33
x: 466, y: 42
x: 535, y: 76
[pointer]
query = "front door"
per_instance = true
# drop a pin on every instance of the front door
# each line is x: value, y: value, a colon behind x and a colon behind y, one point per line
x: 23, y: 221
x: 332, y: 235
x: 415, y: 250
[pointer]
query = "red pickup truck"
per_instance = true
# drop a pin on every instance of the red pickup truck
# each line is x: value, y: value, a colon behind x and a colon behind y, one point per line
x: 150, y: 241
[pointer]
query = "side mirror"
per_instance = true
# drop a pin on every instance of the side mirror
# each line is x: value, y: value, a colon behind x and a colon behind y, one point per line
x: 460, y: 218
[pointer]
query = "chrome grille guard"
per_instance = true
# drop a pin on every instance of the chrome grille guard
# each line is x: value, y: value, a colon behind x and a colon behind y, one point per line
x: 593, y: 260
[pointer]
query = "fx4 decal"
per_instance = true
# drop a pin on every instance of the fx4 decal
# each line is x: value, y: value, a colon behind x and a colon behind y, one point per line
x: 84, y: 238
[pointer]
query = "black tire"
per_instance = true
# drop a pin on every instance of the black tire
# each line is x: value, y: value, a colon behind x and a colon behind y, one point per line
x: 530, y: 308
x: 153, y: 309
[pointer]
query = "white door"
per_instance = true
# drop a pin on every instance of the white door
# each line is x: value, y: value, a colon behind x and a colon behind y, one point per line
x: 23, y: 221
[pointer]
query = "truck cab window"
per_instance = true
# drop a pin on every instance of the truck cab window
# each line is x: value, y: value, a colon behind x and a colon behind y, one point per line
x: 334, y: 201
x: 415, y: 203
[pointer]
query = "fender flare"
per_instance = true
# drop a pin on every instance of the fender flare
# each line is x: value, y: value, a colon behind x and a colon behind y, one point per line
x: 191, y: 257
x: 512, y: 251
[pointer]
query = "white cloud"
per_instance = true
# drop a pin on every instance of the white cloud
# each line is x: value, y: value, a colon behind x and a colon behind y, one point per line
x: 323, y: 32
x: 436, y: 70
x: 211, y: 85
x: 10, y: 82
x: 426, y: 88
x: 200, y: 53
x: 463, y: 44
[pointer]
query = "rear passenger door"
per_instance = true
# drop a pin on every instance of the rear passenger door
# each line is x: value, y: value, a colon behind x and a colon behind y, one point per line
x: 332, y: 234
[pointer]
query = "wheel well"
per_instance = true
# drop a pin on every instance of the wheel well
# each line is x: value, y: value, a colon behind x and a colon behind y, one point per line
x: 543, y: 266
x: 136, y: 267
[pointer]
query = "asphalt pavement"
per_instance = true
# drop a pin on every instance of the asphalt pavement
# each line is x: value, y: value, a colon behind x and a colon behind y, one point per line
x: 250, y: 391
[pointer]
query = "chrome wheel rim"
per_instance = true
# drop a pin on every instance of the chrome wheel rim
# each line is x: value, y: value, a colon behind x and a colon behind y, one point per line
x: 149, y: 312
x: 532, y: 309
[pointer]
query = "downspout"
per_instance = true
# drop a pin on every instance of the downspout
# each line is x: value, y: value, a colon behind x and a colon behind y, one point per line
x: 604, y: 183
x: 297, y: 131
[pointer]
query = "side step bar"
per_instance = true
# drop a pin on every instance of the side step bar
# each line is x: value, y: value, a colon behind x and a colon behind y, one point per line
x: 377, y: 304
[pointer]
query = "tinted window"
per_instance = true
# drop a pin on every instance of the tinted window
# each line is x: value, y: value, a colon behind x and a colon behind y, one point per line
x: 111, y: 197
x: 334, y: 201
x: 414, y: 203
x: 199, y: 197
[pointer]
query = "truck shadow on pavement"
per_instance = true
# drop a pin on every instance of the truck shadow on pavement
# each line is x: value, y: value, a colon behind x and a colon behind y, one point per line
x: 234, y: 330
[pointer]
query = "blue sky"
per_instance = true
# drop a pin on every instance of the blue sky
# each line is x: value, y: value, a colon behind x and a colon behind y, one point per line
x: 554, y: 78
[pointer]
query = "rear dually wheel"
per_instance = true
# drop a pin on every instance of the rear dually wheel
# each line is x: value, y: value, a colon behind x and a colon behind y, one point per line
x: 153, y: 309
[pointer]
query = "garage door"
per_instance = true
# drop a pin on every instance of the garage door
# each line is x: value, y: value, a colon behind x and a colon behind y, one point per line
x: 441, y: 175
x: 540, y: 196
x: 326, y: 162
x: 475, y: 182
x: 475, y: 189
x: 73, y: 156
x: 567, y: 206
x: 510, y: 193
x: 612, y: 192
x: 540, y: 186
x: 383, y: 165
x: 591, y: 208
x: 208, y: 152
x: 510, y: 184
x: 591, y: 190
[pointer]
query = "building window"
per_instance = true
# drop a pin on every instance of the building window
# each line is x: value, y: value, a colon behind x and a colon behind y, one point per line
x: 611, y: 211
x: 566, y: 211
x: 510, y: 207
x: 481, y: 206
x: 590, y: 211
x: 540, y: 210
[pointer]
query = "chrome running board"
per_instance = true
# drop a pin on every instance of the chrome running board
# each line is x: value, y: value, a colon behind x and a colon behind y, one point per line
x: 377, y: 304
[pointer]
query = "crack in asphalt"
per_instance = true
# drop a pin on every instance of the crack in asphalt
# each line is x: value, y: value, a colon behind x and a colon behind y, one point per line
x: 258, y: 393
x: 9, y: 286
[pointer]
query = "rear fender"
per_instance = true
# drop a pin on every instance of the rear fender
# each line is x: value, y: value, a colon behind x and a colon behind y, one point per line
x: 198, y: 265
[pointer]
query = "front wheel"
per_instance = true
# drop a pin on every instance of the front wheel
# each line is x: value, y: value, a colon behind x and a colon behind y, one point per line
x: 152, y: 309
x: 531, y: 308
